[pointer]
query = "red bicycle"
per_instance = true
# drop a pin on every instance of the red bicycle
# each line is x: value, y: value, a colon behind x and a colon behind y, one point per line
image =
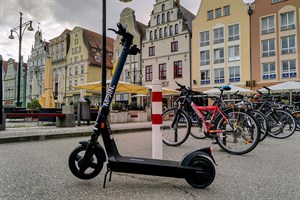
x: 234, y: 130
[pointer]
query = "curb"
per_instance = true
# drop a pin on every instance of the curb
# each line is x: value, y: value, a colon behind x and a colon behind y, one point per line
x: 29, y: 138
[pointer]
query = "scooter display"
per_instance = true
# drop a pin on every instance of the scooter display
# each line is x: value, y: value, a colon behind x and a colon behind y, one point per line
x: 87, y: 160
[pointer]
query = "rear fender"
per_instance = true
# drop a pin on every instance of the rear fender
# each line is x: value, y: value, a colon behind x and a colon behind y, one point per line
x: 206, y: 152
x: 98, y: 147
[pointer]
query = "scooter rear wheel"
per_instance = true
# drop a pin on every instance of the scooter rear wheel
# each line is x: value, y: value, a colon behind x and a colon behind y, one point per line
x: 83, y: 169
x: 204, y: 175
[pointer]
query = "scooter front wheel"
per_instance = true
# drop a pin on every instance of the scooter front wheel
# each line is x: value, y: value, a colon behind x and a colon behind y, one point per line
x: 204, y: 175
x: 85, y: 169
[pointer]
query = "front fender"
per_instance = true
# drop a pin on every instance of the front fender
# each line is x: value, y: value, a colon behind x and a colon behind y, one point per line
x: 98, y: 147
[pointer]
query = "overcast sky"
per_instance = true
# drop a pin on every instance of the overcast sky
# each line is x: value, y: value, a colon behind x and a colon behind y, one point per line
x: 56, y: 15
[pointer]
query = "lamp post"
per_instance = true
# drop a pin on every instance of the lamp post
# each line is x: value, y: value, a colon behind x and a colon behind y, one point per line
x: 103, y: 63
x: 21, y: 28
x: 134, y: 74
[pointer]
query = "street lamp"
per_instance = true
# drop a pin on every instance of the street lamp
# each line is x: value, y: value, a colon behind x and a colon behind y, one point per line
x: 103, y: 63
x: 21, y: 28
x: 134, y: 73
x: 250, y: 12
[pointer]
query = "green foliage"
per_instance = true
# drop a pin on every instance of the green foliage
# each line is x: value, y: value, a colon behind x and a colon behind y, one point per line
x: 134, y: 106
x: 117, y: 106
x: 34, y: 104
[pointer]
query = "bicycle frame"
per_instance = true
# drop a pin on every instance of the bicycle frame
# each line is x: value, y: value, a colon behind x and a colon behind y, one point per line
x: 207, y: 126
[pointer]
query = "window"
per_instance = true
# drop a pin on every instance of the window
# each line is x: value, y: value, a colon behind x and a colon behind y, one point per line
x: 148, y: 73
x: 269, y: 71
x: 163, y: 18
x: 176, y: 28
x: 287, y: 21
x: 219, y: 75
x: 70, y: 71
x: 218, y: 12
x: 171, y: 30
x: 152, y: 51
x: 234, y: 32
x: 204, y: 77
x: 163, y: 7
x: 267, y: 25
x: 162, y: 71
x: 276, y: 1
x: 168, y: 16
x: 82, y: 69
x: 210, y: 15
x: 158, y: 19
x: 81, y: 81
x: 219, y: 55
x: 151, y: 35
x: 204, y: 38
x: 75, y: 82
x: 70, y: 85
x: 155, y: 34
x: 76, y: 59
x: 234, y: 53
x: 174, y: 46
x: 166, y: 31
x: 160, y: 33
x: 76, y: 70
x: 234, y: 74
x: 288, y: 44
x: 204, y: 57
x: 289, y: 69
x: 178, y: 69
x: 268, y: 48
x: 218, y: 35
x: 226, y: 10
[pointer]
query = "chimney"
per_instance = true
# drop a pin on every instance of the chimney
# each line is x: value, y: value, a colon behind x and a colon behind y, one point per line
x: 178, y: 2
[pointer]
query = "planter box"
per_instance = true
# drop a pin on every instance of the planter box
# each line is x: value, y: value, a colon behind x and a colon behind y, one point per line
x: 118, y: 117
x: 138, y: 115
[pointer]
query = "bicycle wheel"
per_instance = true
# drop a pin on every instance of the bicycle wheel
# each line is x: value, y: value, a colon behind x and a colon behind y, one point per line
x: 296, y: 115
x: 281, y: 124
x: 176, y: 127
x: 240, y: 134
x: 261, y: 119
x: 197, y: 130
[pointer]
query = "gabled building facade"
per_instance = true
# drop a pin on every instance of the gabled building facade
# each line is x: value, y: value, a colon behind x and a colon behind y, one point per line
x: 221, y: 44
x: 10, y: 84
x: 275, y: 27
x: 36, y: 67
x: 84, y: 63
x: 166, y: 49
x: 58, y: 50
x: 132, y: 71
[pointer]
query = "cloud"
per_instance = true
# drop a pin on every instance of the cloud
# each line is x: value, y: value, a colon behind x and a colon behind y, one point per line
x: 54, y: 16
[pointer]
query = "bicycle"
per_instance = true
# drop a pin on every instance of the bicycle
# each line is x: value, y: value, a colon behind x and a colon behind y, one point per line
x: 281, y: 123
x: 259, y: 116
x: 234, y: 130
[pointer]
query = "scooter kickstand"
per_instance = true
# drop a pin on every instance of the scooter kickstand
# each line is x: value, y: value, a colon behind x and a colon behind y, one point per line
x: 105, y: 176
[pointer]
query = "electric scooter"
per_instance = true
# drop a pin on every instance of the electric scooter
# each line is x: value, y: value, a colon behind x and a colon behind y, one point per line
x: 86, y: 161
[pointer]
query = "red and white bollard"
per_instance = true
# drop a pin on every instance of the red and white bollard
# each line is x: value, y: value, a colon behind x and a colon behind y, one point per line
x: 157, y: 145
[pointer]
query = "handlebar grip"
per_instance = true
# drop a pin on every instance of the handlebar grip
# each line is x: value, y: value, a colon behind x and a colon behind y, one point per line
x: 259, y: 92
x: 266, y: 88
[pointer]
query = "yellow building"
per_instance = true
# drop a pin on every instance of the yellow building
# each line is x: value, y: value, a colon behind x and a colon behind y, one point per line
x: 221, y: 45
x: 84, y: 63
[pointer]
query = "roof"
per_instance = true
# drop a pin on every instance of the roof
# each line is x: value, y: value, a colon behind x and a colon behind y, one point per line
x: 4, y: 66
x: 141, y: 28
x: 93, y: 40
x: 187, y: 16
